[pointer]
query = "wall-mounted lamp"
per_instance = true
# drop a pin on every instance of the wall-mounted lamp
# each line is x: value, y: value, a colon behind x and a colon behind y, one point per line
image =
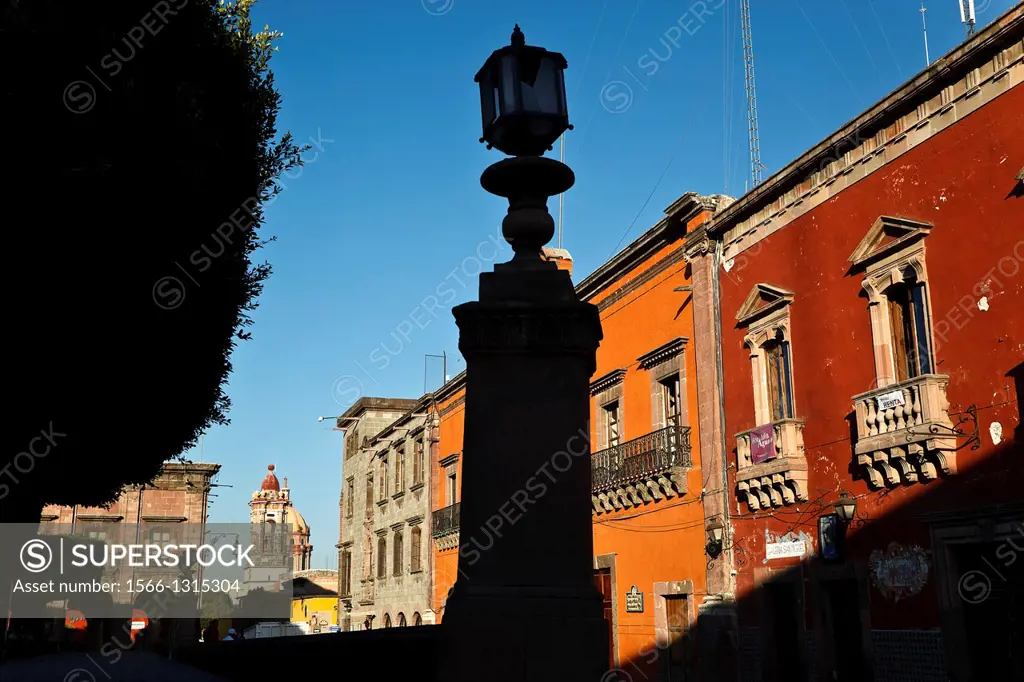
x: 716, y: 532
x: 846, y: 507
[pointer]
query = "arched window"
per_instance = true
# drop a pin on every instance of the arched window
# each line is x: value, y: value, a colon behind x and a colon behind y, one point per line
x: 401, y: 620
x: 416, y: 619
x: 398, y: 552
x: 417, y: 549
x: 387, y: 620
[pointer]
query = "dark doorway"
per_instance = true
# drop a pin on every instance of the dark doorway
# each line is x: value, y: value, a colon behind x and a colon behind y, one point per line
x: 991, y: 582
x: 675, y: 611
x: 842, y: 622
x: 782, y: 655
x: 603, y: 581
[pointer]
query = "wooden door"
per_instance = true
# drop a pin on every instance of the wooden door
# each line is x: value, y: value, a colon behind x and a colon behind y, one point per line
x: 676, y: 613
x: 603, y: 581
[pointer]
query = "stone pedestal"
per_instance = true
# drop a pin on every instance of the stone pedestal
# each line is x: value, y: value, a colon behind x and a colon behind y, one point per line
x: 524, y: 606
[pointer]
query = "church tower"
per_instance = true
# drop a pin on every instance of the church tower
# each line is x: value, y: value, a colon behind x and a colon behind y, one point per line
x: 272, y: 504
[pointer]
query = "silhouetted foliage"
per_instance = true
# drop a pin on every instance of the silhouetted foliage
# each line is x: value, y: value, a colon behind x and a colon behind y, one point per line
x: 136, y: 133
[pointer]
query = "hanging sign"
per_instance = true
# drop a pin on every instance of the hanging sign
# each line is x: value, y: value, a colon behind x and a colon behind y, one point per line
x: 889, y: 400
x: 762, y: 444
x: 634, y: 601
x: 899, y: 572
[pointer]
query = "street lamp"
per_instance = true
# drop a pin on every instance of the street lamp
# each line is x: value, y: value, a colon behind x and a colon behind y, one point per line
x: 522, y: 98
x: 522, y: 102
x: 846, y: 507
x: 715, y: 533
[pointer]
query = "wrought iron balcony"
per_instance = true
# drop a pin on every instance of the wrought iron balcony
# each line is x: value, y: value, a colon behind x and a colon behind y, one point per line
x: 641, y: 470
x: 445, y: 521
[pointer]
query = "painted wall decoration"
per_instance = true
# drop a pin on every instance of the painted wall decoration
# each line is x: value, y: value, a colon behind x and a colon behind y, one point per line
x: 900, y: 571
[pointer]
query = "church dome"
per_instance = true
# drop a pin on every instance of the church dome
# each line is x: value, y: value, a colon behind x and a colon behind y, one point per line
x: 270, y: 482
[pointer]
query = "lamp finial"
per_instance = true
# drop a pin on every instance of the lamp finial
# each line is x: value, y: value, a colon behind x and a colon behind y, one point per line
x: 518, y: 39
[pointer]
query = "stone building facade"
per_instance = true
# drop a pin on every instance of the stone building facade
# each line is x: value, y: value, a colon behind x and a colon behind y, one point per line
x: 384, y: 562
x: 179, y: 494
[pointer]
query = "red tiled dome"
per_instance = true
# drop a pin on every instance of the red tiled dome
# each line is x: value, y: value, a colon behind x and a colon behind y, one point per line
x: 270, y: 482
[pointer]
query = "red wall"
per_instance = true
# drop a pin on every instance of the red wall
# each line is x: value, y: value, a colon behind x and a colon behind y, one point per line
x: 961, y: 181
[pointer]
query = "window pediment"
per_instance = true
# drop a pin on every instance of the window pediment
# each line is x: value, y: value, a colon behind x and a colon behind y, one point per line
x: 663, y: 352
x: 763, y: 299
x: 607, y: 381
x: 889, y: 234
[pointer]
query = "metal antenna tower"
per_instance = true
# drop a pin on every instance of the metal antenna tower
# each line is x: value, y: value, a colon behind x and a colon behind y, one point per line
x: 748, y: 71
x: 924, y: 25
x: 967, y: 16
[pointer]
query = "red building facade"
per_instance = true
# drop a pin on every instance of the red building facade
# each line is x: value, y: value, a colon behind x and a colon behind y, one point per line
x: 870, y: 299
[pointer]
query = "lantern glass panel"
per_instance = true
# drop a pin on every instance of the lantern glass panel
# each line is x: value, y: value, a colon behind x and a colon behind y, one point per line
x: 509, y: 81
x: 488, y: 98
x: 541, y: 84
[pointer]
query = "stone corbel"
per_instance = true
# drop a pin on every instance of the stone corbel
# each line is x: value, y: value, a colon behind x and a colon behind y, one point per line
x: 654, y: 490
x: 623, y: 498
x: 666, y: 487
x: 748, y: 496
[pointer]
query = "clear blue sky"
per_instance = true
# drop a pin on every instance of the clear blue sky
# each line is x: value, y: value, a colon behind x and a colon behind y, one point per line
x: 389, y: 211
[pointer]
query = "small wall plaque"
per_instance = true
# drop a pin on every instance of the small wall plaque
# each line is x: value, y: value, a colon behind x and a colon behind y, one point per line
x: 634, y: 601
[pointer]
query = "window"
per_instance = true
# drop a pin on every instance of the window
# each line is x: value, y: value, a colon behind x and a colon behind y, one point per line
x: 159, y: 537
x: 100, y: 535
x: 453, y: 488
x: 908, y: 327
x: 346, y: 572
x: 895, y: 281
x: 612, y: 425
x: 269, y: 533
x: 382, y: 557
x: 400, y: 471
x: 417, y: 549
x: 383, y: 479
x: 670, y: 405
x: 398, y: 553
x: 417, y: 462
x: 766, y: 315
x: 780, y: 391
x: 401, y: 620
x: 369, y: 492
x: 387, y: 620
x: 607, y: 393
x: 417, y: 620
x: 350, y: 494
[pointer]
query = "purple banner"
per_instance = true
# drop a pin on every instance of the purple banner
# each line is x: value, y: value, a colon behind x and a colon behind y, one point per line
x: 762, y: 443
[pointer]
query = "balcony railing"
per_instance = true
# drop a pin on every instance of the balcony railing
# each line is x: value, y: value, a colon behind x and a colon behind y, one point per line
x: 641, y: 458
x: 445, y: 521
x: 904, y: 431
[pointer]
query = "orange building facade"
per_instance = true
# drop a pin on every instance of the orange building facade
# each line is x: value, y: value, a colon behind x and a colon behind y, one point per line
x: 645, y: 442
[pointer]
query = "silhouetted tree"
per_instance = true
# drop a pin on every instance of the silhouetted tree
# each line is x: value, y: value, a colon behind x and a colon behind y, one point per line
x: 141, y: 145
